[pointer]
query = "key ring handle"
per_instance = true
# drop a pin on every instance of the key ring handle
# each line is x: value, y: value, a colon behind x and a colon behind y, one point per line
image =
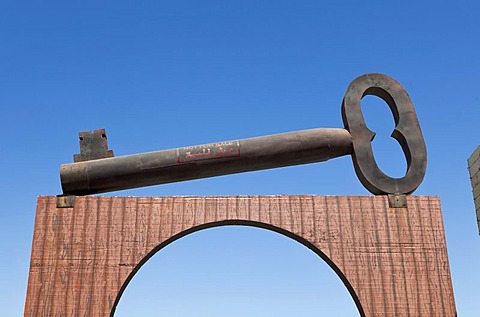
x: 407, y: 132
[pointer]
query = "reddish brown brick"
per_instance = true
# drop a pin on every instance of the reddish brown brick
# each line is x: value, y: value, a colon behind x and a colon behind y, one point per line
x: 393, y: 260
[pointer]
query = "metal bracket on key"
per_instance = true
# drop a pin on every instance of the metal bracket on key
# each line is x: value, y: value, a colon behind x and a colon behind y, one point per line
x: 103, y: 174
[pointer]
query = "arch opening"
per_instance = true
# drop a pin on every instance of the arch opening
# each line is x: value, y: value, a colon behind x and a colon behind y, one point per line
x: 270, y: 272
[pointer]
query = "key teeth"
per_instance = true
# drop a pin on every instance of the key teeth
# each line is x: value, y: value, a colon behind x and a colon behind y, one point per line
x: 93, y: 146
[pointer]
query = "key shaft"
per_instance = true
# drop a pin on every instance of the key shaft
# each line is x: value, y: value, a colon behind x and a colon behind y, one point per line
x: 207, y: 160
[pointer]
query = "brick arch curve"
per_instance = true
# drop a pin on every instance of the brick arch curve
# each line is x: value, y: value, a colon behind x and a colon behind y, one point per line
x: 237, y: 222
x: 393, y: 258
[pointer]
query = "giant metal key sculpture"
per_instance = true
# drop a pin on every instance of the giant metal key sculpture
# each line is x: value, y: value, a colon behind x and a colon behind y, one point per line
x: 95, y: 172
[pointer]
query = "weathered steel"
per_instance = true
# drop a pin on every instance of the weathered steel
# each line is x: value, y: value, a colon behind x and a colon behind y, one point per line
x: 93, y: 146
x: 65, y: 201
x: 407, y: 132
x: 202, y: 161
x: 397, y: 201
x: 302, y: 147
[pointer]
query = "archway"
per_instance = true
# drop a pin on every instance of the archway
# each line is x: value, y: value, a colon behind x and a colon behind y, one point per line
x: 390, y: 251
x: 237, y: 270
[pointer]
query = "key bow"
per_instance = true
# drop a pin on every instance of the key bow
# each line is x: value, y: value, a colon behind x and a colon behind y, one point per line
x: 407, y: 132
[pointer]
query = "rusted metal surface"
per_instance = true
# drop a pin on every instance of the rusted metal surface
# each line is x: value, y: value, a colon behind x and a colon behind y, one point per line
x: 397, y: 201
x: 279, y: 150
x: 93, y: 146
x: 65, y: 201
x: 393, y: 261
x: 202, y: 161
x: 407, y: 132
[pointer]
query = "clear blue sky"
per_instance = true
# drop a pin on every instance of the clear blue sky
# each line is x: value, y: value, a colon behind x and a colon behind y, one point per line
x: 164, y: 74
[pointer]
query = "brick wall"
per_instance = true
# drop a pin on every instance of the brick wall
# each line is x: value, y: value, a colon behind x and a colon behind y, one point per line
x: 392, y: 259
